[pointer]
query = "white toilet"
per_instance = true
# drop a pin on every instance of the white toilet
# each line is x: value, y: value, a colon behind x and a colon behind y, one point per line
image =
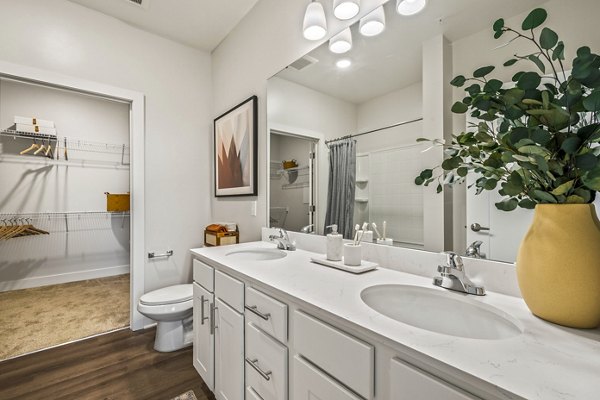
x: 172, y: 308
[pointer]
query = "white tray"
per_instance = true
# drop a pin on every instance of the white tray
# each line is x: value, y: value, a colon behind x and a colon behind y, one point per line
x: 363, y: 267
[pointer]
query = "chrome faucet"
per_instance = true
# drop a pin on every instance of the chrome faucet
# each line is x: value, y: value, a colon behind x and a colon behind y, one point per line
x: 474, y: 250
x: 453, y: 277
x: 308, y: 229
x: 283, y: 240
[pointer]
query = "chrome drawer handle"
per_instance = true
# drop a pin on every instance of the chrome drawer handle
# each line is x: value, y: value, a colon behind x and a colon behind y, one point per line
x: 254, y: 309
x: 213, y: 325
x: 202, y: 317
x: 254, y: 364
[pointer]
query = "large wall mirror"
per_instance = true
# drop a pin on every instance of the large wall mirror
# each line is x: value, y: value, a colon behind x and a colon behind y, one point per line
x: 380, y: 93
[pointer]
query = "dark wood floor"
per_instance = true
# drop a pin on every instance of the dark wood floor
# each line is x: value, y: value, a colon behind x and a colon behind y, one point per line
x: 117, y: 366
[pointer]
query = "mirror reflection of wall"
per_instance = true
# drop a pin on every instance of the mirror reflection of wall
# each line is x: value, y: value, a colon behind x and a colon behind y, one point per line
x: 291, y: 194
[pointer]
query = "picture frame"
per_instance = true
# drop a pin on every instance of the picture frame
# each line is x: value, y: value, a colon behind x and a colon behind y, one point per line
x: 236, y: 150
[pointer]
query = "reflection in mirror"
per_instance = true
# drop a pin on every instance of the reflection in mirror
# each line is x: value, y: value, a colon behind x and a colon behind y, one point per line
x: 396, y: 89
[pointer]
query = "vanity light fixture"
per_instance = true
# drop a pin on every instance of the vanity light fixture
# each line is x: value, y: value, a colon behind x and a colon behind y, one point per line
x: 345, y: 9
x: 315, y: 25
x: 373, y: 23
x: 410, y: 7
x: 343, y: 63
x: 342, y: 42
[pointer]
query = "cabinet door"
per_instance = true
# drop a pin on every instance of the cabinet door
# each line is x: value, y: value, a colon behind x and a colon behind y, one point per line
x: 310, y: 384
x: 410, y: 383
x: 204, y: 343
x: 229, y: 353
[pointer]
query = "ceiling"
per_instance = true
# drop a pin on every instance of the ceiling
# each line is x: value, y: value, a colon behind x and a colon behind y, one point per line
x: 202, y: 24
x: 393, y: 60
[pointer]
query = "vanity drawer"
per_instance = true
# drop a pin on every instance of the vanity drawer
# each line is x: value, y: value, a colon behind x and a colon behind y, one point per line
x: 230, y: 290
x: 344, y: 357
x: 204, y: 275
x: 270, y: 357
x: 410, y: 383
x: 311, y: 384
x: 268, y: 314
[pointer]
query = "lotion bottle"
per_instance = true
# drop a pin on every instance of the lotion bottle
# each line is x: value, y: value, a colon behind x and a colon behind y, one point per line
x: 334, y: 244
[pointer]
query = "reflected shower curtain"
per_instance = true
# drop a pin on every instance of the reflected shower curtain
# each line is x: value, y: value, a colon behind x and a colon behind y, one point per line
x: 342, y: 185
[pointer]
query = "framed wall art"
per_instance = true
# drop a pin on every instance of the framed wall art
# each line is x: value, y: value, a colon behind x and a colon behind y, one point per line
x: 236, y: 145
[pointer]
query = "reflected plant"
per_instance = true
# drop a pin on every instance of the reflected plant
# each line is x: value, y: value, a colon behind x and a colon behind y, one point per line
x: 535, y: 141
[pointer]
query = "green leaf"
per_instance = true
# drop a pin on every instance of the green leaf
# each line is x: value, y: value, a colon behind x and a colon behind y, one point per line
x: 584, y: 51
x: 498, y: 34
x: 517, y: 76
x: 541, y: 136
x: 490, y: 184
x: 586, y: 161
x: 419, y: 181
x: 513, y: 96
x: 564, y: 188
x: 592, y: 179
x: 535, y: 18
x: 422, y: 139
x: 498, y: 25
x: 507, y: 205
x: 513, y: 185
x: 462, y: 171
x: 458, y: 81
x: 533, y: 149
x: 426, y: 173
x: 510, y: 62
x: 571, y: 144
x: 592, y: 102
x: 544, y: 197
x: 559, y: 52
x: 492, y: 86
x: 527, y: 203
x: 586, y: 195
x: 574, y: 199
x: 483, y: 71
x: 529, y: 80
x: 439, y: 188
x: 548, y: 39
x: 539, y: 63
x: 451, y: 163
x: 474, y: 89
x: 459, y: 108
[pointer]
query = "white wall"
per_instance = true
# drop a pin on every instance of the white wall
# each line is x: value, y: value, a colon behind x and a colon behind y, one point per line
x: 266, y: 40
x: 176, y: 80
x: 95, y: 245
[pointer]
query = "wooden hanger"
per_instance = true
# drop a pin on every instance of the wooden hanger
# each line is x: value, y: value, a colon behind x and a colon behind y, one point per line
x: 33, y: 146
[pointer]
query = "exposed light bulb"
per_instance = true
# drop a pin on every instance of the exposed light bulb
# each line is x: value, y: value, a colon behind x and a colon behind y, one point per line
x: 345, y: 9
x: 410, y: 7
x: 342, y: 42
x: 314, y: 26
x: 373, y: 23
x: 343, y: 63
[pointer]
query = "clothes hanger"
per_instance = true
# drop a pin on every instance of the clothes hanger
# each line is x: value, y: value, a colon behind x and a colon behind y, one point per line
x: 33, y: 146
x: 48, y: 152
x: 34, y: 230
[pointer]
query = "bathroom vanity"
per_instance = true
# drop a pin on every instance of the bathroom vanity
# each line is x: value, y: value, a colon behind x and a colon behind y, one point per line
x: 271, y: 325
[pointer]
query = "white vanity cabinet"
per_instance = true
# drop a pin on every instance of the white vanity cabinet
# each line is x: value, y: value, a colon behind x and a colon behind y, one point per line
x: 410, y: 383
x: 219, y: 331
x: 311, y: 383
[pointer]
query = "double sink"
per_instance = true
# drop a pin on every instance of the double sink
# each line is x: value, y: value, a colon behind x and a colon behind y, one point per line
x: 432, y: 309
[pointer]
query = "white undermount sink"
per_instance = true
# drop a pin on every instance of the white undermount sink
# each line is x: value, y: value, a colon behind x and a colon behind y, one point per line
x: 442, y: 312
x: 257, y: 254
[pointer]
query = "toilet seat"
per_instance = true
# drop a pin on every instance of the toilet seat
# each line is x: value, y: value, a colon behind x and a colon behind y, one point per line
x: 168, y: 295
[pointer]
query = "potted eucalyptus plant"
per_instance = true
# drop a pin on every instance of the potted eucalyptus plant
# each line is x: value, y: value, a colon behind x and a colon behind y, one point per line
x: 535, y: 140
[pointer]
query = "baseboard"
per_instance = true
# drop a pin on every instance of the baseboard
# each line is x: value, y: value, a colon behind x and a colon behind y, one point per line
x: 37, y: 281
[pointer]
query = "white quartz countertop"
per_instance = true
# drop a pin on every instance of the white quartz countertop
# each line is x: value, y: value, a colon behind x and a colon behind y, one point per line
x: 545, y: 362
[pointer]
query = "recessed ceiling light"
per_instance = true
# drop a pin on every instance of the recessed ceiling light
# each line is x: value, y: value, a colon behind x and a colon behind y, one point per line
x: 345, y: 9
x: 373, y: 23
x: 410, y: 7
x: 314, y: 26
x: 343, y: 63
x: 342, y: 42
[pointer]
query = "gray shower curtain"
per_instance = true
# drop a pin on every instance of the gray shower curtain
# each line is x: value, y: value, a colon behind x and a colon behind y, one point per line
x: 342, y: 185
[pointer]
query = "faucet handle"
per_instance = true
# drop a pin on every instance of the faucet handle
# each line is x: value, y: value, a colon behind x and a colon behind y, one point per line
x: 454, y: 261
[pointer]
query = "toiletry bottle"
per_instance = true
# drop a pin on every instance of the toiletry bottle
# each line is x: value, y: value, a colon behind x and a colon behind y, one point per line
x: 334, y: 244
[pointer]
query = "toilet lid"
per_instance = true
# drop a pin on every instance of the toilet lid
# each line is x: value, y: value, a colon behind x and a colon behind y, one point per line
x: 168, y: 295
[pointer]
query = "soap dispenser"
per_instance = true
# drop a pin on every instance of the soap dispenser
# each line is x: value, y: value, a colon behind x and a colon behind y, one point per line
x: 334, y: 244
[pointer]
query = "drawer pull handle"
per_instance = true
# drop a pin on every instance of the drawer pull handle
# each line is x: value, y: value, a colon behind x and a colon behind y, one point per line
x: 213, y: 325
x: 202, y: 317
x: 254, y: 364
x: 254, y: 309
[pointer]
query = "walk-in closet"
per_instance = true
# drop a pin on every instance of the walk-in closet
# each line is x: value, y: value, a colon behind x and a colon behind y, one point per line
x: 64, y: 216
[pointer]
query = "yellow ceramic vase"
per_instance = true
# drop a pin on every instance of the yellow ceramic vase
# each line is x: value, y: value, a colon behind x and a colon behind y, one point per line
x: 558, y: 265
